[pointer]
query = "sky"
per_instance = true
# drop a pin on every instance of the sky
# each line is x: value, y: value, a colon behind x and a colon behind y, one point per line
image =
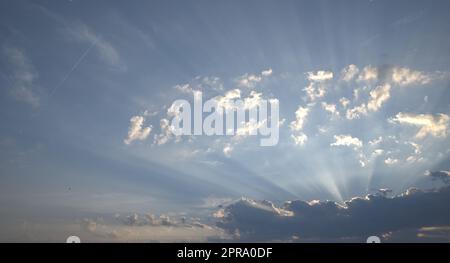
x: 85, y: 105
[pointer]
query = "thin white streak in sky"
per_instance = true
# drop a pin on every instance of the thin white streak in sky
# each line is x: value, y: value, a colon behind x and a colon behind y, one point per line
x: 73, y: 67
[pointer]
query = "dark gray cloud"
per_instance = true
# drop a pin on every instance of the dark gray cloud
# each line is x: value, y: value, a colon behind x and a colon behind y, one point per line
x: 324, y: 220
x: 443, y: 176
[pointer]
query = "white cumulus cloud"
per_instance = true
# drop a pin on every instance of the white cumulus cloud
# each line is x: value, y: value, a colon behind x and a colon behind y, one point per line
x: 368, y: 74
x: 320, y: 75
x: 378, y: 97
x: 347, y: 140
x: 136, y: 131
x: 300, y: 118
x: 405, y: 76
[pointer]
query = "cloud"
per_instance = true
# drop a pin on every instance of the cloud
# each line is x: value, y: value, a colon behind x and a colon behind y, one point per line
x: 368, y: 74
x: 405, y: 76
x: 136, y: 131
x: 267, y: 72
x: 390, y: 161
x: 435, y: 125
x: 205, y: 84
x: 385, y: 191
x: 232, y: 99
x: 211, y: 82
x: 135, y: 219
x: 251, y: 80
x: 377, y: 152
x: 148, y: 113
x: 386, y: 77
x: 166, y: 132
x: 227, y: 150
x: 135, y: 227
x: 344, y: 102
x: 253, y: 100
x: 394, y: 75
x: 184, y: 88
x: 376, y: 141
x: 297, y: 126
x: 360, y: 217
x: 299, y: 138
x: 330, y: 108
x: 317, y: 84
x: 23, y: 77
x: 85, y: 34
x: 378, y: 96
x: 349, y: 72
x: 356, y: 112
x: 227, y: 100
x: 443, y: 176
x: 315, y: 90
x: 300, y: 118
x: 105, y: 49
x: 319, y: 76
x: 347, y: 140
x: 417, y: 149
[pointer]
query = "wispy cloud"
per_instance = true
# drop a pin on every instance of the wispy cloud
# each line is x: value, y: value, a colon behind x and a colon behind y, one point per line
x: 105, y: 50
x: 23, y: 76
x: 435, y: 125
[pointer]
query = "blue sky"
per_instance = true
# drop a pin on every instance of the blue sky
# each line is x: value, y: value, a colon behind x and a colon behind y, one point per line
x: 369, y: 80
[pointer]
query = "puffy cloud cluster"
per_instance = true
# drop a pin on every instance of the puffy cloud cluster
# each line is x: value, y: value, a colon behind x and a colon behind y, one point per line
x: 377, y: 97
x: 226, y: 100
x: 386, y: 77
x: 360, y: 217
x: 376, y: 86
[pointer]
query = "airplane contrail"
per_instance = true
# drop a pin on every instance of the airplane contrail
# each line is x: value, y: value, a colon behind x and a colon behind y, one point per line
x: 73, y: 68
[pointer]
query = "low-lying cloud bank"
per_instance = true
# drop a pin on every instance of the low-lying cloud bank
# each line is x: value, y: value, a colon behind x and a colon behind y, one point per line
x: 360, y: 217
